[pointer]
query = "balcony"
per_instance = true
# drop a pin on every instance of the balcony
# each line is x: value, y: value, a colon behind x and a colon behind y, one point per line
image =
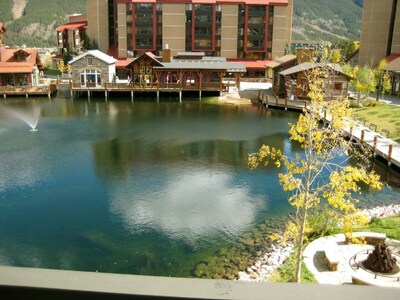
x: 30, y: 283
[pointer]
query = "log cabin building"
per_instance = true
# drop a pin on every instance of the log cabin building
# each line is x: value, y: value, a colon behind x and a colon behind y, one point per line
x: 295, y: 81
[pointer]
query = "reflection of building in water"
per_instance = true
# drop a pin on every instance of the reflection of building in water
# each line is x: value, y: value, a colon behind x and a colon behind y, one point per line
x: 119, y: 156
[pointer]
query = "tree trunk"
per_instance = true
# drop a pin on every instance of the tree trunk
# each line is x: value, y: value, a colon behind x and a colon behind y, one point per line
x: 307, y: 183
x: 300, y: 241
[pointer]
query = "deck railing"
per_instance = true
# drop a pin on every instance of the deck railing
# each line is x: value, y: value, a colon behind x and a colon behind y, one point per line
x: 42, y: 89
x: 151, y: 86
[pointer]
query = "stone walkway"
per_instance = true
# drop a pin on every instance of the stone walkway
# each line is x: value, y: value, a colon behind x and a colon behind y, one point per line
x: 314, y: 260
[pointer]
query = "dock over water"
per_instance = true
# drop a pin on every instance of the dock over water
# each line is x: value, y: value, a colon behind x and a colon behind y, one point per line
x: 382, y: 146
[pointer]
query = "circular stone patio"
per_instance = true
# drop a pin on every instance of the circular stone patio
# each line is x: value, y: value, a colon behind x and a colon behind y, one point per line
x: 346, y: 270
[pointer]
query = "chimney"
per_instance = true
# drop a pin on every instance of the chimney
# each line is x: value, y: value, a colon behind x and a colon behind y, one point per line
x: 166, y: 54
x: 2, y: 50
x: 3, y: 31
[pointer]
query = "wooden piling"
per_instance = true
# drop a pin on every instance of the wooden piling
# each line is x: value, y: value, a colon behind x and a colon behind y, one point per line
x: 362, y: 136
x: 389, y: 158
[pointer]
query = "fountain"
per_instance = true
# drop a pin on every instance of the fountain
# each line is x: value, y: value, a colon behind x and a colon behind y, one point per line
x: 30, y: 118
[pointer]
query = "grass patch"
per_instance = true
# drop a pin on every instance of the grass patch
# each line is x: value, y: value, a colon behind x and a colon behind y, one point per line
x: 51, y: 72
x: 389, y: 225
x: 286, y: 271
x: 385, y: 116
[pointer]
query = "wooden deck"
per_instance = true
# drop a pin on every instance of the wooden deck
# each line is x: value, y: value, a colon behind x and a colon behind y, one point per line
x: 132, y: 88
x: 381, y: 146
x: 42, y: 90
x: 275, y: 102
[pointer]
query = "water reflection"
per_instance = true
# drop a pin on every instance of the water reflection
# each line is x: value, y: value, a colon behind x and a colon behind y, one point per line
x: 101, y: 183
x: 191, y: 204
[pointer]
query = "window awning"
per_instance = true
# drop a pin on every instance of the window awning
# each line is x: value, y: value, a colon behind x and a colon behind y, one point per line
x: 71, y: 26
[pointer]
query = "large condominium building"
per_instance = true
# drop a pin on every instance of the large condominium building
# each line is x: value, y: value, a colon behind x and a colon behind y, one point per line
x: 380, y: 30
x: 235, y: 29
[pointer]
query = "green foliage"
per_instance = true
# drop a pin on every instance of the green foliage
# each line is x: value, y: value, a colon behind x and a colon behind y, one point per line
x: 51, y: 72
x: 286, y: 271
x: 326, y: 20
x: 317, y: 177
x: 67, y: 56
x: 385, y: 116
x: 95, y: 45
x: 321, y: 223
x: 370, y: 103
x: 36, y: 26
x: 390, y: 226
x: 87, y: 44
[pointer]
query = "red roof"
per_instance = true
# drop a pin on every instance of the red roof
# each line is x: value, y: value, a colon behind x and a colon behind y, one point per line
x: 9, y: 64
x: 72, y: 25
x: 254, y: 64
x: 122, y: 63
x: 392, y: 57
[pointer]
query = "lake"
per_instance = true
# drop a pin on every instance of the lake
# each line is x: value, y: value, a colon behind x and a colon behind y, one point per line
x: 140, y: 188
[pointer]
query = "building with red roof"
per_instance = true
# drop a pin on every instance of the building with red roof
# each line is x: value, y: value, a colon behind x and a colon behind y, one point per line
x: 72, y: 34
x: 18, y: 67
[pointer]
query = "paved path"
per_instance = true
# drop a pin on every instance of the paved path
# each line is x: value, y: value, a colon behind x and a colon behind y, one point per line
x: 314, y: 260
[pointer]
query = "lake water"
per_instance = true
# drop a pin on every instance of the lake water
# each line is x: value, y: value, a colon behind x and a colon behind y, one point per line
x: 140, y: 188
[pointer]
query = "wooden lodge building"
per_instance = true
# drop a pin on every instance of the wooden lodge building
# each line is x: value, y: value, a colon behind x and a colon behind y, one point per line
x: 95, y: 71
x: 20, y: 71
x: 296, y: 80
x: 289, y: 76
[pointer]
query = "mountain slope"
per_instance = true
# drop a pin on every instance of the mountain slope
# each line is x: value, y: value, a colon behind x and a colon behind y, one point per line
x: 327, y: 20
x: 33, y: 22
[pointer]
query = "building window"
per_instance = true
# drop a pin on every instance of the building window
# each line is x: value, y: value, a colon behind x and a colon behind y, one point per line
x: 256, y: 24
x: 90, y: 78
x: 338, y: 86
x: 204, y: 22
x: 90, y: 61
x: 112, y: 33
x: 145, y: 25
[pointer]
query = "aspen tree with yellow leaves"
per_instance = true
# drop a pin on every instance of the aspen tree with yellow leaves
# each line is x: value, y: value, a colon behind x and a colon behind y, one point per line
x: 321, y: 176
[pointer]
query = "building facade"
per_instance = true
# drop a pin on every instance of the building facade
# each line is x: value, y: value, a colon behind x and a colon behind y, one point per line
x: 235, y: 29
x: 92, y: 68
x: 380, y: 30
x: 70, y: 36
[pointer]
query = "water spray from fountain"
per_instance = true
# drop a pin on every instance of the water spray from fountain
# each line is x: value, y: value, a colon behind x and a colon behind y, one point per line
x: 31, y: 118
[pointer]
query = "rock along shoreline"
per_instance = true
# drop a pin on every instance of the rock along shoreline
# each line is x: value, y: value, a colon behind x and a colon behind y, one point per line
x: 276, y: 254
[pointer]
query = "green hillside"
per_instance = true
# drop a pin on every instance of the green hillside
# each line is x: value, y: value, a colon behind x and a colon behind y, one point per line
x: 327, y: 20
x: 32, y: 22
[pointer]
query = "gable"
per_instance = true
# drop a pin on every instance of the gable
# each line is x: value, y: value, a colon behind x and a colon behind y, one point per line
x: 95, y: 54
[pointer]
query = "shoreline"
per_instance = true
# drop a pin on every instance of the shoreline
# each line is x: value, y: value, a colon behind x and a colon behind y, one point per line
x: 277, y: 254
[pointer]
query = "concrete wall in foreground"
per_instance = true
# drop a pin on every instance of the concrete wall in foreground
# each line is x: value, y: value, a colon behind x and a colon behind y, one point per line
x: 29, y: 283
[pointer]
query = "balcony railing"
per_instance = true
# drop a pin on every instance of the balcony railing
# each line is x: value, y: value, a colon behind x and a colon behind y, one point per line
x: 30, y: 283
